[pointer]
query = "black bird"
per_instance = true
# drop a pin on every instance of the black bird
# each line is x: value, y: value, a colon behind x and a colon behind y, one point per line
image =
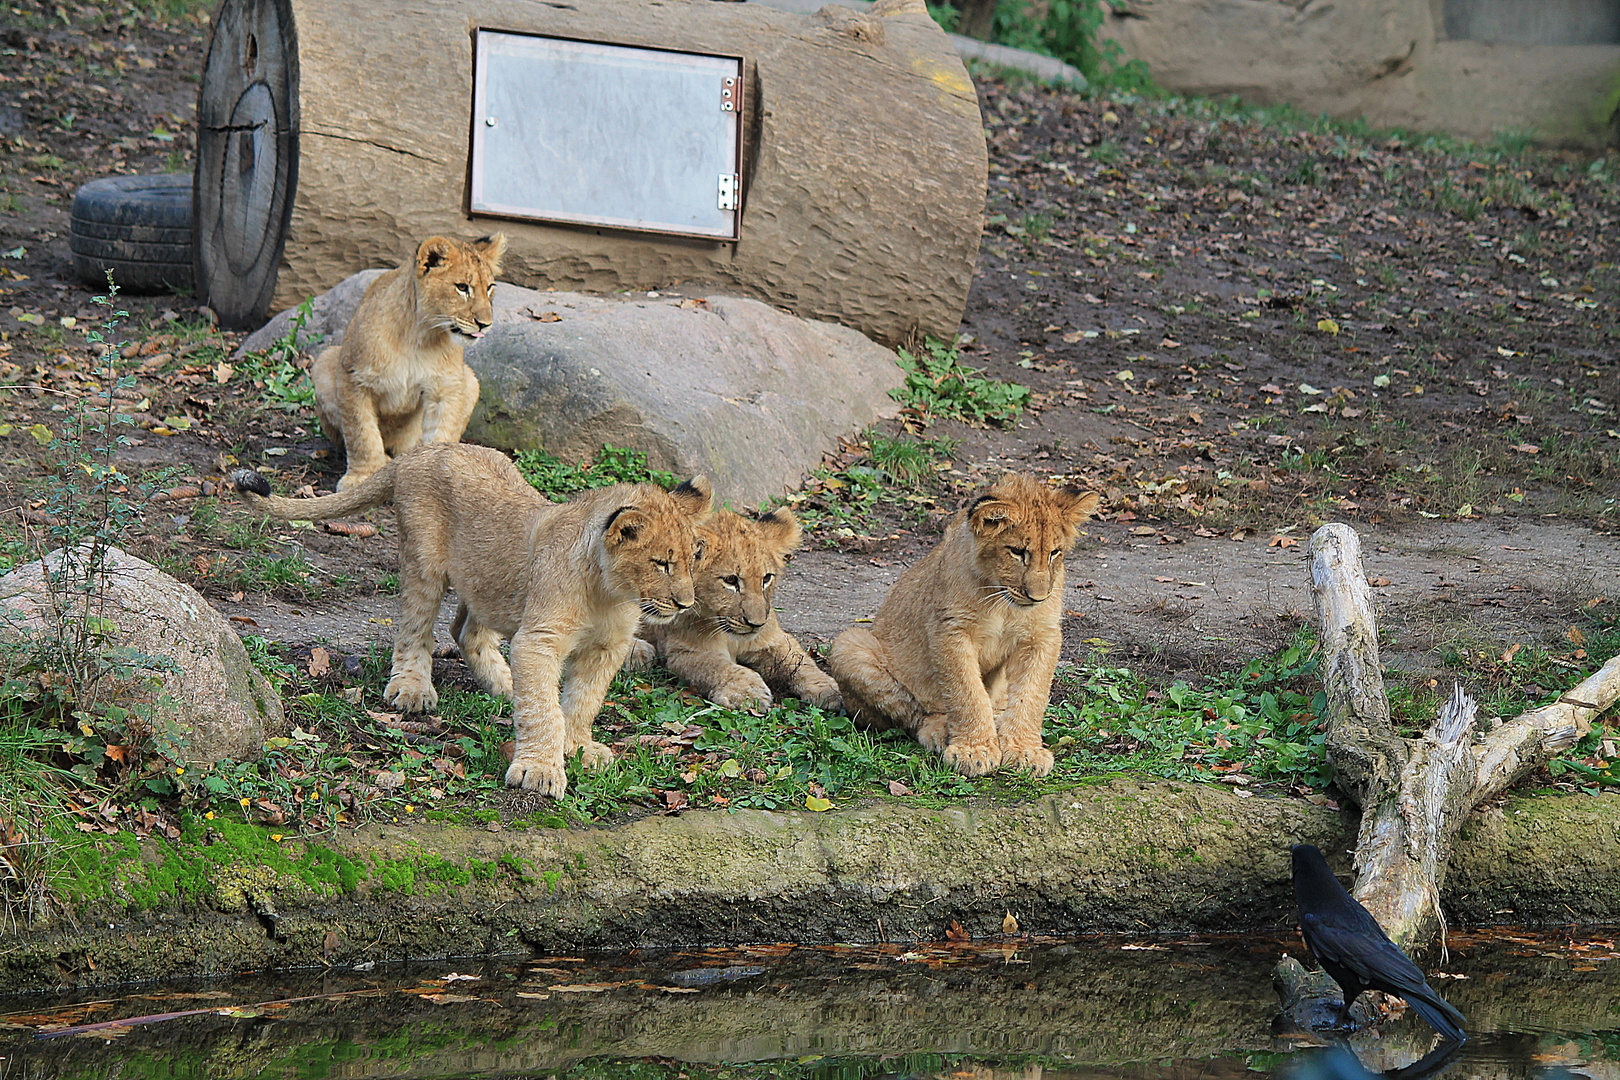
x: 1352, y: 948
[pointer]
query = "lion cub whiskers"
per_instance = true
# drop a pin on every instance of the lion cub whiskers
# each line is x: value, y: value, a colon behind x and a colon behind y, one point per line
x: 962, y: 652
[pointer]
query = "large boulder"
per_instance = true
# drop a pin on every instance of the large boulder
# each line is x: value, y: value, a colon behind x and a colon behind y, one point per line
x: 724, y: 386
x: 209, y: 703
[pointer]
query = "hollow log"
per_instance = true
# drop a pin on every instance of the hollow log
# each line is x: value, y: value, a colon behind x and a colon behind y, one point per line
x: 1416, y: 793
x: 863, y: 157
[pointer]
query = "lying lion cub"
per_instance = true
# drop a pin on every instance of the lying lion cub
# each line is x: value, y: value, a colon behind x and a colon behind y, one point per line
x: 399, y: 379
x: 729, y: 646
x: 565, y: 582
x: 962, y: 652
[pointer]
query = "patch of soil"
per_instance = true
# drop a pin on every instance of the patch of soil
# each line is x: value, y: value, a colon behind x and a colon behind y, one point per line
x: 1235, y: 329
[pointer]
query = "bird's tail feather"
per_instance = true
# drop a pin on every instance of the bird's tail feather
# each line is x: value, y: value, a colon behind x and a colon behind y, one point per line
x: 1440, y: 1013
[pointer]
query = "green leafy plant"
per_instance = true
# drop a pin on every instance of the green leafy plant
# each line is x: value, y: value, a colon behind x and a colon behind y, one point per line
x: 1068, y: 30
x: 938, y: 385
x: 278, y: 370
x: 77, y: 709
x: 557, y: 479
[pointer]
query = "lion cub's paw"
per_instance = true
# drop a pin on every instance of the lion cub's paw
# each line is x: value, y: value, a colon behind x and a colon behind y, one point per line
x: 538, y: 776
x: 973, y: 758
x: 744, y: 690
x: 410, y: 692
x: 934, y: 733
x: 594, y: 755
x: 1037, y: 759
x: 642, y: 655
x: 826, y: 698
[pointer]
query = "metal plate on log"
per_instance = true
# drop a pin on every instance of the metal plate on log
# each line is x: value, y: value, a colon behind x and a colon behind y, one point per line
x: 600, y: 134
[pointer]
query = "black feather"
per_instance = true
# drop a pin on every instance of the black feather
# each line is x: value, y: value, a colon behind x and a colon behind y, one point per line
x: 1354, y: 950
x: 248, y: 480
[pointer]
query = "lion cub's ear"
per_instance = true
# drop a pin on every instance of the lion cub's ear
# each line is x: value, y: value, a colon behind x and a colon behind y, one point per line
x: 780, y: 530
x: 624, y: 526
x: 1077, y: 505
x: 491, y: 248
x: 433, y: 252
x: 693, y: 496
x: 988, y: 516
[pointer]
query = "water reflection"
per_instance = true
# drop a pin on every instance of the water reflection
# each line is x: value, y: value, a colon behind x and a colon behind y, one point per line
x: 1540, y: 1008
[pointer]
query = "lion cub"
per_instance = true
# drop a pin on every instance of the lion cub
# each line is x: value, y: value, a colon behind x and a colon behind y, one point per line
x: 565, y: 582
x: 399, y: 378
x: 963, y: 649
x: 729, y: 646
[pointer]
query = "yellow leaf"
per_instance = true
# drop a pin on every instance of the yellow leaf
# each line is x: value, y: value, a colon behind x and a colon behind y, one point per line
x: 730, y: 768
x: 818, y: 805
x: 42, y: 434
x: 5, y: 429
x: 1125, y: 376
x: 1327, y: 326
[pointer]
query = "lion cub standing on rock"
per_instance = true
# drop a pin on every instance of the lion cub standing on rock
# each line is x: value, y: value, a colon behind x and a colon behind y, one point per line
x: 399, y: 378
x: 566, y: 582
x: 729, y: 646
x: 962, y: 652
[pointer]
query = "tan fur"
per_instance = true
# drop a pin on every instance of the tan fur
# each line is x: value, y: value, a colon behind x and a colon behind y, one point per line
x: 729, y: 646
x: 399, y: 378
x: 565, y: 582
x: 962, y: 652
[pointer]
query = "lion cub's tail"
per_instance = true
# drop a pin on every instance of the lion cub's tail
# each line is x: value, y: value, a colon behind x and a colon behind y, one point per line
x: 374, y: 490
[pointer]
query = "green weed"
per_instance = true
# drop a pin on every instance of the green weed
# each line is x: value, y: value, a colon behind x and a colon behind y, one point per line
x: 557, y: 480
x: 938, y: 385
x: 278, y: 372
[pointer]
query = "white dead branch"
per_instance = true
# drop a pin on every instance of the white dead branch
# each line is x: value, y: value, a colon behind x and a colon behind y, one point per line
x: 1416, y: 793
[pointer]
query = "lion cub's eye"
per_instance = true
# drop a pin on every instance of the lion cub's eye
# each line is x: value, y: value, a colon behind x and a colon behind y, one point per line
x: 1056, y: 552
x: 734, y: 583
x: 491, y: 290
x: 664, y: 565
x: 1020, y: 553
x: 463, y: 288
x: 768, y: 579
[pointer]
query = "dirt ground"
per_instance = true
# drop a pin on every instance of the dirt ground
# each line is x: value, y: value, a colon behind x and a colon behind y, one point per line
x: 1236, y: 325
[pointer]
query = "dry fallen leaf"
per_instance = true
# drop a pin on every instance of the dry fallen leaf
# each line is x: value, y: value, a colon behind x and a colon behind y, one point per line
x: 1009, y: 925
x: 320, y: 662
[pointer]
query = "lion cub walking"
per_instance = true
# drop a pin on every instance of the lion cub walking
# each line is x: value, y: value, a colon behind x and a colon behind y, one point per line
x: 399, y: 378
x: 565, y: 582
x: 963, y: 650
x: 729, y: 646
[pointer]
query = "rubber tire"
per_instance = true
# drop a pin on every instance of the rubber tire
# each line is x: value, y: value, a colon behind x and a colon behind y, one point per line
x: 138, y: 227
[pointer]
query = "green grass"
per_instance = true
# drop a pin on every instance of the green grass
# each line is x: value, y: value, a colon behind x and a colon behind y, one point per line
x: 938, y: 385
x: 557, y: 479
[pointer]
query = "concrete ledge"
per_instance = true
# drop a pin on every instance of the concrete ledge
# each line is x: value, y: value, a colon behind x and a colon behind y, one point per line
x: 1118, y: 856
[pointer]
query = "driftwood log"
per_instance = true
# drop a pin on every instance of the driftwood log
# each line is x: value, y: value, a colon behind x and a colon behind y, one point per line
x: 1414, y: 794
x: 863, y: 175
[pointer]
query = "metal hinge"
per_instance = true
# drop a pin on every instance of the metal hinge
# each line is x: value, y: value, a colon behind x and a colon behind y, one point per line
x: 731, y: 94
x: 729, y: 185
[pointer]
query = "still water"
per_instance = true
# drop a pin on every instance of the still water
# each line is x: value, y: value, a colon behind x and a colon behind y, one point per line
x: 1538, y: 1005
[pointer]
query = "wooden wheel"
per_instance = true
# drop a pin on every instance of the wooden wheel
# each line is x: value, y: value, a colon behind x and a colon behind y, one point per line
x: 247, y: 157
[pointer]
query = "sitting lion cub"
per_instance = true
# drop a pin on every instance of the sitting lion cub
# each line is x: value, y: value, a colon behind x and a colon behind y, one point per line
x: 565, y: 582
x: 962, y: 652
x: 399, y: 379
x: 729, y: 646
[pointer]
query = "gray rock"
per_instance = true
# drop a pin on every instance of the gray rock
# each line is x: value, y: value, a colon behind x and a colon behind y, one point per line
x: 329, y: 316
x: 728, y: 387
x: 213, y: 704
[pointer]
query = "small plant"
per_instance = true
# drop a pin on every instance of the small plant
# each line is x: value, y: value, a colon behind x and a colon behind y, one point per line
x: 77, y: 710
x: 557, y: 480
x: 908, y: 460
x: 937, y: 385
x: 1107, y: 152
x: 277, y: 371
